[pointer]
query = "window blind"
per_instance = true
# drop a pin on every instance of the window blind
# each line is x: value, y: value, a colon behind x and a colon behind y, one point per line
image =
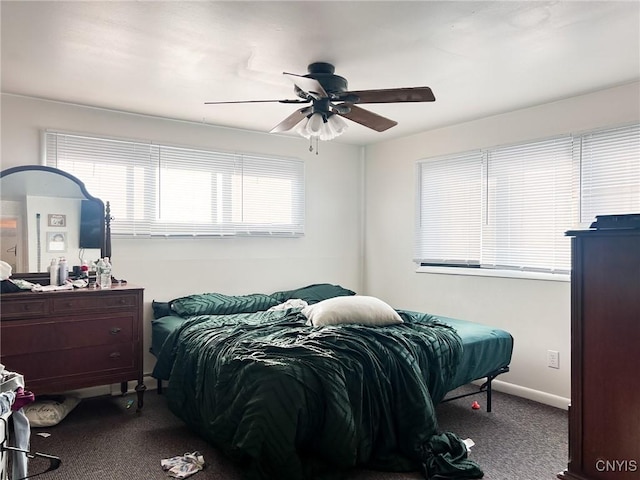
x: 531, y: 194
x: 270, y: 196
x: 610, y: 173
x: 193, y: 195
x: 164, y: 190
x: 449, y: 210
x: 528, y: 206
x: 116, y: 171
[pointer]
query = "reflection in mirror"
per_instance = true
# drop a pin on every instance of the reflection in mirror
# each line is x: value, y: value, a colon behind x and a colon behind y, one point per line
x: 46, y: 213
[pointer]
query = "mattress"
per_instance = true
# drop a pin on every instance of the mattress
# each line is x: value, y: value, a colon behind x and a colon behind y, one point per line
x: 486, y: 348
x: 161, y: 328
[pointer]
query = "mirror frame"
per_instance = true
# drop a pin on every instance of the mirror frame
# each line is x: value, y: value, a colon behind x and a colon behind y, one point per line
x: 105, y: 249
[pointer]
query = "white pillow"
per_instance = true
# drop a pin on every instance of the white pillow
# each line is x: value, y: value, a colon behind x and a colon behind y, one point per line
x: 352, y: 309
x: 49, y: 412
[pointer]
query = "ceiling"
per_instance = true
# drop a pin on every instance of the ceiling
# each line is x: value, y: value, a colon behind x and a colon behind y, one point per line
x: 167, y: 58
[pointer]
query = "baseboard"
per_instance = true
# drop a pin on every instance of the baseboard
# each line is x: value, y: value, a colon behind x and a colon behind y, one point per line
x: 530, y: 394
x: 91, y: 392
x: 497, y: 385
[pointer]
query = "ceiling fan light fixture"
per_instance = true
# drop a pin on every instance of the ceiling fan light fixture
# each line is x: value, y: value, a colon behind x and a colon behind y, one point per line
x: 332, y: 128
x: 327, y: 132
x: 317, y: 126
x: 337, y: 124
x: 301, y: 129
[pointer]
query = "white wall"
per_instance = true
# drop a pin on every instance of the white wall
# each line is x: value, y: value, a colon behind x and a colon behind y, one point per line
x: 536, y: 312
x: 330, y: 251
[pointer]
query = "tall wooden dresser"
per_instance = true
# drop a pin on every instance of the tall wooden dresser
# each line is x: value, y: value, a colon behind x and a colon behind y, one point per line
x: 73, y: 339
x: 604, y: 416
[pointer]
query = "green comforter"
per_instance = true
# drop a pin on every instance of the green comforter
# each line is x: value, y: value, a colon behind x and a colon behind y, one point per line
x: 286, y: 399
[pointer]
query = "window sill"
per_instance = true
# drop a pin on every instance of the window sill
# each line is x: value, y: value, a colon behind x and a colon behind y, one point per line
x: 488, y: 272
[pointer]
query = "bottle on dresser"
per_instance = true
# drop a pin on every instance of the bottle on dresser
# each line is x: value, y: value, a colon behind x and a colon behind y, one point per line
x: 105, y: 274
x: 53, y: 272
x: 99, y: 267
x: 63, y: 271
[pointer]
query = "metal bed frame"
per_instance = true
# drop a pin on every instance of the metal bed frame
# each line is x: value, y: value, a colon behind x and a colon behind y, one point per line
x: 485, y: 387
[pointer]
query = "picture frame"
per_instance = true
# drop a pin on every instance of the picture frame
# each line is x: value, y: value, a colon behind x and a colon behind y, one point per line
x: 57, y: 220
x: 56, y: 241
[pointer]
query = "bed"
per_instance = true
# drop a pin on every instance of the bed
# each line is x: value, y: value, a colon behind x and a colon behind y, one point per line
x: 290, y: 397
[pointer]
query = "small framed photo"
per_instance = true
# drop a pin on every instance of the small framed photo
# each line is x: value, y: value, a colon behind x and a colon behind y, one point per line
x: 57, y: 220
x: 56, y: 241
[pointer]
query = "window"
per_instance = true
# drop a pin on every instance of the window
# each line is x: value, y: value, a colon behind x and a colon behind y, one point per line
x: 509, y: 207
x: 162, y: 190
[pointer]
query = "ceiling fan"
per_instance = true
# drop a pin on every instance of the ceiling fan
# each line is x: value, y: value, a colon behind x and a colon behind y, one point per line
x: 329, y: 99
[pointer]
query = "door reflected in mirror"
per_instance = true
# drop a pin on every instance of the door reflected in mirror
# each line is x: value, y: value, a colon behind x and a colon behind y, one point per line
x: 9, y: 239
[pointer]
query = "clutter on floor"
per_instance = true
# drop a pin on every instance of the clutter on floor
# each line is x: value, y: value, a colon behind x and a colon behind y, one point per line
x: 183, y: 466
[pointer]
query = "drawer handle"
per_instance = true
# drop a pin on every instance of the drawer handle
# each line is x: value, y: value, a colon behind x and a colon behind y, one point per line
x: 115, y: 330
x: 122, y: 301
x: 115, y: 355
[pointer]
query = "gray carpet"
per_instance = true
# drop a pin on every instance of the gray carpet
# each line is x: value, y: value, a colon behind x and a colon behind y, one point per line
x: 103, y: 440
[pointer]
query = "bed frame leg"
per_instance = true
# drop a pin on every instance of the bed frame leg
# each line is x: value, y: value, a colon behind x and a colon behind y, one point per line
x: 140, y: 389
x: 486, y: 386
x: 489, y: 396
x: 159, y: 387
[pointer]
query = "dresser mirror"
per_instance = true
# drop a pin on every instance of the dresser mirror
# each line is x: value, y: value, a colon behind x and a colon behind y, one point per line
x: 45, y: 214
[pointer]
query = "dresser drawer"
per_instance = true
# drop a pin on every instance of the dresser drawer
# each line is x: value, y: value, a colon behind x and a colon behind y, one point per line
x: 78, y: 361
x: 118, y: 328
x: 27, y: 308
x: 86, y: 303
x: 26, y: 337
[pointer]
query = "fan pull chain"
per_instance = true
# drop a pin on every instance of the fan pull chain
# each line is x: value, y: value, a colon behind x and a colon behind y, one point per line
x: 311, y: 144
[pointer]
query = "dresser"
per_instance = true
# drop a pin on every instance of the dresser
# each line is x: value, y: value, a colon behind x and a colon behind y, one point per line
x: 74, y: 339
x: 604, y: 416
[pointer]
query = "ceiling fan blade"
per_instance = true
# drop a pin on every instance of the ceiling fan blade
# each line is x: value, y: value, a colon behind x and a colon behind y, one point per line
x: 368, y: 119
x: 292, y: 120
x: 299, y: 100
x: 308, y: 85
x: 389, y: 95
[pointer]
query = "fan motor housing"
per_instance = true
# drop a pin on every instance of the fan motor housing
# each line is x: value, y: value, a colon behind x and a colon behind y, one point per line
x: 323, y: 73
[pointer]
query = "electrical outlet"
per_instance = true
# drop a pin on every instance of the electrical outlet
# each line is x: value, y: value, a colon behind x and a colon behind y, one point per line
x: 553, y: 359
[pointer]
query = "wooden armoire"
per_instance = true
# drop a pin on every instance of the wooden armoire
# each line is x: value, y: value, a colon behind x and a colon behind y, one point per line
x: 604, y: 416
